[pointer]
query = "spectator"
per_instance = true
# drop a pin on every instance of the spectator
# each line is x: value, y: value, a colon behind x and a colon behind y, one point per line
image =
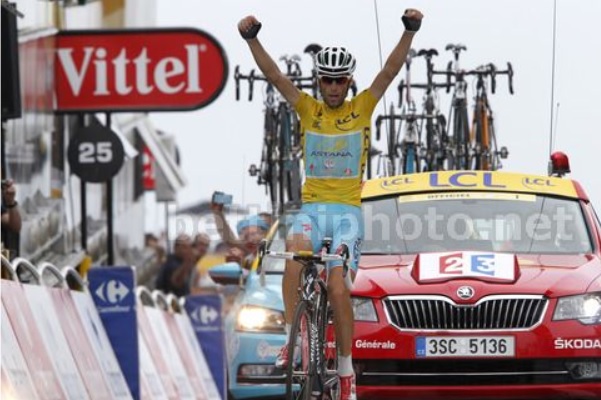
x: 175, y: 275
x: 200, y: 278
x: 11, y: 220
x: 152, y: 242
x: 251, y: 231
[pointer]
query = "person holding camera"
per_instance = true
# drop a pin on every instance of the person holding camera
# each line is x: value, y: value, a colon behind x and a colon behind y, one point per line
x: 251, y: 230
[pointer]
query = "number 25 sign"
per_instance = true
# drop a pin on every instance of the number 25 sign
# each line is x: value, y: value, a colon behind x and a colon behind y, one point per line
x: 465, y: 264
x: 95, y: 153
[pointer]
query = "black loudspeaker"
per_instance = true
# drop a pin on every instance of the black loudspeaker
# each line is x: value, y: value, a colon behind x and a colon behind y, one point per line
x: 11, y: 87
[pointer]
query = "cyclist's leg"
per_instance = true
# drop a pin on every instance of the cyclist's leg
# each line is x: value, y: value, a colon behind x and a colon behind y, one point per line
x: 348, y: 229
x: 298, y: 238
x: 304, y: 235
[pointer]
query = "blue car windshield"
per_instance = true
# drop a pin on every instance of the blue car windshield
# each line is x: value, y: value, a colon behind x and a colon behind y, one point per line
x: 478, y: 221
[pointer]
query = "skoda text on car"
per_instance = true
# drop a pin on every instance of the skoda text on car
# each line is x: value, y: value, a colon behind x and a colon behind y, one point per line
x: 478, y: 285
x: 254, y: 325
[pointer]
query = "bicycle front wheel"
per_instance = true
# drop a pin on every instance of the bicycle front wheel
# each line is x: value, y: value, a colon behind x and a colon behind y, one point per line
x: 301, y: 372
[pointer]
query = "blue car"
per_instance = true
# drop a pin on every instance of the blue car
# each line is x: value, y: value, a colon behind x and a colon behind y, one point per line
x: 254, y: 324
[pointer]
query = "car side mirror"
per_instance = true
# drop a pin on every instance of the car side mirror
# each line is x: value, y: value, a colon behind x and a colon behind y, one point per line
x: 226, y: 274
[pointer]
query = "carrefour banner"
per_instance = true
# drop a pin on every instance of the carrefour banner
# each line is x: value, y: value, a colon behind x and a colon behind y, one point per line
x: 113, y: 291
x: 205, y: 314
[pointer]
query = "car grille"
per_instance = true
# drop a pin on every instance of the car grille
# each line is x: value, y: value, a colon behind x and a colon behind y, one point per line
x: 441, y: 313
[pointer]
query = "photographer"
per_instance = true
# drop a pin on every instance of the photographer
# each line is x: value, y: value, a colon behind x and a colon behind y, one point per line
x: 251, y: 231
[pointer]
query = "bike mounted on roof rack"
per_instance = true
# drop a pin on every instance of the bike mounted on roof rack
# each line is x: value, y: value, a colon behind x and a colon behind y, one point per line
x: 427, y: 144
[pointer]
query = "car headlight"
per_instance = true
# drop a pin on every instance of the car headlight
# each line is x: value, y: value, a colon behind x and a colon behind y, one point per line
x: 364, y: 309
x: 586, y: 308
x: 260, y: 319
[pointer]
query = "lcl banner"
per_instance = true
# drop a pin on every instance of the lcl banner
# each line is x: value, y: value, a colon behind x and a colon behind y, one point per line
x: 138, y: 70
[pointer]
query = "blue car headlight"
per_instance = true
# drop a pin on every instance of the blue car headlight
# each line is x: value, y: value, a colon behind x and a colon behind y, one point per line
x: 364, y: 309
x: 260, y: 319
x: 586, y: 308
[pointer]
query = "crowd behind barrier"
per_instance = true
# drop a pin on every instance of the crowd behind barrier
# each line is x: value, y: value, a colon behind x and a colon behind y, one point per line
x: 65, y: 337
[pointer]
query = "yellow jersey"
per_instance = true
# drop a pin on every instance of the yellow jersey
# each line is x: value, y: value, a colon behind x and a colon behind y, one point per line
x: 335, y: 146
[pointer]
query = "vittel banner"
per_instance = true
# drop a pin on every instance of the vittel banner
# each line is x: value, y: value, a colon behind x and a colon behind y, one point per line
x: 138, y: 70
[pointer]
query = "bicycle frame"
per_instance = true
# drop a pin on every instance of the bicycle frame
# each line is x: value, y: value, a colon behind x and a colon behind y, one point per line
x: 316, y: 374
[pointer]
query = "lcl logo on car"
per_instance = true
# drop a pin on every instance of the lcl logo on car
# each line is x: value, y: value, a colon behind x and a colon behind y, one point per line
x: 465, y: 292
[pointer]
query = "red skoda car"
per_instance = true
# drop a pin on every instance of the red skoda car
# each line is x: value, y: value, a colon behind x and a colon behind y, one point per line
x: 478, y: 285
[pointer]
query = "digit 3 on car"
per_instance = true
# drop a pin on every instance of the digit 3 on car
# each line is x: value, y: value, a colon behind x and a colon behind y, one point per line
x: 478, y: 285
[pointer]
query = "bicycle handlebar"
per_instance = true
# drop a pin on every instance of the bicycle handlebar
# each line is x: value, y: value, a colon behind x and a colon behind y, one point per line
x: 305, y: 256
x: 301, y: 82
x: 403, y: 85
x: 481, y: 72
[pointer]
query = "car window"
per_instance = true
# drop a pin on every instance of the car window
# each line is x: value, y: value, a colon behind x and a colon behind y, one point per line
x: 479, y: 221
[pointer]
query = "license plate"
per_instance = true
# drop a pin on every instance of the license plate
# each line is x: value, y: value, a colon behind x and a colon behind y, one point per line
x: 465, y: 346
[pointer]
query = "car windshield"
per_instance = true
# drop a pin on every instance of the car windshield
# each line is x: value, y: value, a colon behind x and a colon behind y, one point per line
x: 479, y: 221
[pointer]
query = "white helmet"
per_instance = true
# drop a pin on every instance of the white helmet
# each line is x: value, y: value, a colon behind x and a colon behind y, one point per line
x: 334, y: 62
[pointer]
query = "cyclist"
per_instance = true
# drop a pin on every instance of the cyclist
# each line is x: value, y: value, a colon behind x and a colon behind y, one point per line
x: 335, y: 138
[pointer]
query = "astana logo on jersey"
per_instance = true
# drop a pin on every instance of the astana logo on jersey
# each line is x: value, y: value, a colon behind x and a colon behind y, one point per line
x: 333, y: 156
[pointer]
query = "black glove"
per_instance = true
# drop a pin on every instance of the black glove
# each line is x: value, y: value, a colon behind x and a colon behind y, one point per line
x: 252, y: 32
x: 411, y: 25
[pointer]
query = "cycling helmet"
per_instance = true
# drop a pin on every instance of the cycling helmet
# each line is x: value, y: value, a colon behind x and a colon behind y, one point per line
x: 334, y: 62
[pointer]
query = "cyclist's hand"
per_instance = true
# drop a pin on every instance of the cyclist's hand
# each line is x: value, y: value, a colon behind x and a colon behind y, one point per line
x: 249, y: 27
x: 412, y: 19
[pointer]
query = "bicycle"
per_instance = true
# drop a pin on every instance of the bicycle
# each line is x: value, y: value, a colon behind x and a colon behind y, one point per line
x: 483, y: 135
x: 411, y: 143
x: 458, y: 113
x: 279, y: 168
x: 408, y: 149
x: 437, y: 155
x: 393, y: 154
x: 312, y: 370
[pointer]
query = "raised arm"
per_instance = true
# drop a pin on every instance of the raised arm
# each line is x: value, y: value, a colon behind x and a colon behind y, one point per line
x: 412, y: 21
x: 223, y: 227
x: 249, y: 27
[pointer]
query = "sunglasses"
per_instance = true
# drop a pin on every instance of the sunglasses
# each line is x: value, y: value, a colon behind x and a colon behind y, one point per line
x: 341, y: 80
